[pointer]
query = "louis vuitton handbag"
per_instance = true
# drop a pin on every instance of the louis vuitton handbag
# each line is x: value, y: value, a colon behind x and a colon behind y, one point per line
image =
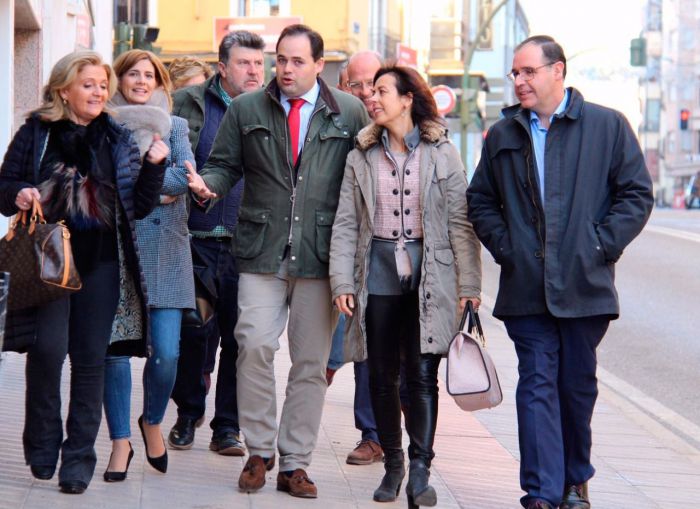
x: 39, y: 258
x: 471, y: 375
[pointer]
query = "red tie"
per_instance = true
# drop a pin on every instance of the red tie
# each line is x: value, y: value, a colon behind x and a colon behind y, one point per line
x: 294, y: 120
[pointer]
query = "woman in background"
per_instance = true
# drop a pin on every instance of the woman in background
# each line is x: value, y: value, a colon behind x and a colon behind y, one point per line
x: 188, y: 71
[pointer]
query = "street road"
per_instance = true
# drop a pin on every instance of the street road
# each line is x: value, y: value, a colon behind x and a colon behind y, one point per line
x: 655, y: 344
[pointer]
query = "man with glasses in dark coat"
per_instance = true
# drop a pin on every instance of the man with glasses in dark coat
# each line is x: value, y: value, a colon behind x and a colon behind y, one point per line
x: 560, y: 190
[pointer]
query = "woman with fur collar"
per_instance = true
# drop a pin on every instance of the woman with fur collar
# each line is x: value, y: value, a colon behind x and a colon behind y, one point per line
x: 86, y: 171
x: 404, y: 261
x: 142, y: 104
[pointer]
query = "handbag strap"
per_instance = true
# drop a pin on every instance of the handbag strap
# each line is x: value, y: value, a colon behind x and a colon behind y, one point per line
x: 470, y: 319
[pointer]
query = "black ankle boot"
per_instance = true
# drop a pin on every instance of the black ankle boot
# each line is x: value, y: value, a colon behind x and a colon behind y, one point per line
x: 419, y: 492
x: 394, y: 473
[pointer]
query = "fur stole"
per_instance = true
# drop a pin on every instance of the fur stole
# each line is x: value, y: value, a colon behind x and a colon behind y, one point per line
x: 143, y: 120
x: 79, y: 189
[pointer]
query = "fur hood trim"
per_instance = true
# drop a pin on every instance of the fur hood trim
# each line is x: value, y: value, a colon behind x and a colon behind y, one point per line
x: 431, y: 132
x: 143, y: 121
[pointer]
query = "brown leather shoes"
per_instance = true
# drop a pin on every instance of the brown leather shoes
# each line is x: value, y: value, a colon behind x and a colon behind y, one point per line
x: 297, y: 485
x: 576, y: 497
x: 252, y: 477
x: 366, y: 453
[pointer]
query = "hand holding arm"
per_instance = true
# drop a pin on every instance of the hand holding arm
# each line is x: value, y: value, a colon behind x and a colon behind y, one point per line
x: 158, y: 151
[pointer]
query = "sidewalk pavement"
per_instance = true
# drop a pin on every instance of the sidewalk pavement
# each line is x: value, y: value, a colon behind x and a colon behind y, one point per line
x: 639, y: 463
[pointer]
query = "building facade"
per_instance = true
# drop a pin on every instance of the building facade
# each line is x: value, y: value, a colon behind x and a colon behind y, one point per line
x: 34, y: 34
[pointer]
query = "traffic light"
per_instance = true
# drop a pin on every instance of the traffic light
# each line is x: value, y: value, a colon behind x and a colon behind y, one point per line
x: 685, y: 115
x: 638, y: 52
x: 144, y: 37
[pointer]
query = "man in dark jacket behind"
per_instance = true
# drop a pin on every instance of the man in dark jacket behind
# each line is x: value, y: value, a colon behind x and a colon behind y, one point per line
x: 290, y: 141
x: 560, y: 191
x: 240, y: 69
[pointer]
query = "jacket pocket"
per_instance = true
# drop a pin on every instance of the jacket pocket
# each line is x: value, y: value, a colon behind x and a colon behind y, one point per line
x: 332, y: 132
x: 324, y: 227
x: 256, y: 130
x: 445, y: 255
x: 597, y: 245
x: 250, y: 232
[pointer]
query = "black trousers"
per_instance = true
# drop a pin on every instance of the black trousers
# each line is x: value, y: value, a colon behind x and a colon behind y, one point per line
x: 80, y: 326
x: 393, y: 333
x: 189, y: 392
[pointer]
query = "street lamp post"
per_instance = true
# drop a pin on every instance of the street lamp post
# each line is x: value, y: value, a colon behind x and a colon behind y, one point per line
x: 468, y: 50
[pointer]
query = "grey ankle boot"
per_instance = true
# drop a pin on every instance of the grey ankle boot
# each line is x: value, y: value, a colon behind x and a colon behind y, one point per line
x: 419, y: 492
x: 395, y: 471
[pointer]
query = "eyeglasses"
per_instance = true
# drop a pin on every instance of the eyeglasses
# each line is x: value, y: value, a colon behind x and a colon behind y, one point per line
x: 526, y: 73
x: 358, y: 85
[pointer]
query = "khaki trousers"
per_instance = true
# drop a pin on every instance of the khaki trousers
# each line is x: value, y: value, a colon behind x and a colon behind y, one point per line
x: 265, y: 301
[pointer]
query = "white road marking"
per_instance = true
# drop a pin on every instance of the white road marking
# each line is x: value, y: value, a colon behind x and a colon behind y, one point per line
x: 672, y: 232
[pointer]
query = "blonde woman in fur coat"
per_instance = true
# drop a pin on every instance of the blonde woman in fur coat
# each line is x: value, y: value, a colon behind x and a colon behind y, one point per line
x: 142, y: 104
x: 86, y: 170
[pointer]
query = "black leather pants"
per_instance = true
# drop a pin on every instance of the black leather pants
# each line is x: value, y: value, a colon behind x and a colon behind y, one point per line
x: 393, y: 332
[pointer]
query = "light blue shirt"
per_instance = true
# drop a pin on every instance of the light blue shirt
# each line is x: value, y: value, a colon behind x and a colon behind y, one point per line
x: 304, y: 113
x: 539, y: 139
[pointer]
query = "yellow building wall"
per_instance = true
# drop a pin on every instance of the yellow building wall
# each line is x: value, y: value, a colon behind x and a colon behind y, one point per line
x: 335, y: 21
x: 187, y: 26
x: 394, y: 21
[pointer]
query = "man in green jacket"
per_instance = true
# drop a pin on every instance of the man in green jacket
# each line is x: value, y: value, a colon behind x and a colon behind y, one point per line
x: 290, y: 141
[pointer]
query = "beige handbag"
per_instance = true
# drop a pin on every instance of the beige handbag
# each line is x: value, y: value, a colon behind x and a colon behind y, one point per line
x: 471, y: 375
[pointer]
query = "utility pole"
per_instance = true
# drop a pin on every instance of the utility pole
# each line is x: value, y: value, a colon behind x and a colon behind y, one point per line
x: 468, y: 51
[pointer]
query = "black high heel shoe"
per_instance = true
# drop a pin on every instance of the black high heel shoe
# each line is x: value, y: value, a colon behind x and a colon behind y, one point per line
x: 161, y: 462
x: 118, y: 476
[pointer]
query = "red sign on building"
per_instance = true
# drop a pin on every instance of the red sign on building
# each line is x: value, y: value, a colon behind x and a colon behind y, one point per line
x: 405, y: 55
x: 269, y: 28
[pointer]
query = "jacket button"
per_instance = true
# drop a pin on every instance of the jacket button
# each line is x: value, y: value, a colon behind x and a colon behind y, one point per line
x: 395, y: 233
x: 407, y: 192
x: 409, y: 231
x: 196, y: 128
x: 427, y: 295
x: 393, y: 173
x: 156, y: 221
x: 430, y: 339
x: 538, y: 254
x: 396, y: 212
x: 407, y: 211
x: 408, y: 172
x: 395, y: 191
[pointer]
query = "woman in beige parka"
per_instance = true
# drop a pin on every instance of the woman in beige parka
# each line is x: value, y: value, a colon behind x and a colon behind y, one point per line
x: 404, y: 261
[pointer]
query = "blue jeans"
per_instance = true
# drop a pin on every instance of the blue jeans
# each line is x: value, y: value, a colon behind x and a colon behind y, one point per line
x: 335, y: 359
x: 158, y: 376
x: 557, y: 390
